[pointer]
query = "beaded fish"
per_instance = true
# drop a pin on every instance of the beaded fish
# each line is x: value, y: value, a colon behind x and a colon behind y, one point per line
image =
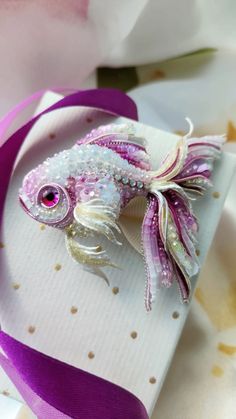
x: 83, y: 191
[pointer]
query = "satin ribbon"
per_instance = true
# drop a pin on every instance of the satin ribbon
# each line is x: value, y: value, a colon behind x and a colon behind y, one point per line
x: 54, y: 389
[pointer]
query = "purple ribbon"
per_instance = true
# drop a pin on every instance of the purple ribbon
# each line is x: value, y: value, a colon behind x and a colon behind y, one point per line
x: 54, y: 389
x: 72, y: 392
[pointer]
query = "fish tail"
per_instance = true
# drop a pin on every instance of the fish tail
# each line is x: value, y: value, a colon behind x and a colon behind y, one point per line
x: 170, y: 226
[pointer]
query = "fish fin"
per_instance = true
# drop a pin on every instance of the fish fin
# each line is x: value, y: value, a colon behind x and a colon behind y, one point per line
x: 123, y: 141
x: 85, y: 255
x: 198, y: 166
x: 159, y: 266
x: 189, y: 164
x: 168, y: 248
x: 97, y: 216
x: 95, y: 270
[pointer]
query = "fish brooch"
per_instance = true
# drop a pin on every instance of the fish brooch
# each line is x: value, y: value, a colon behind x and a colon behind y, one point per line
x: 83, y: 191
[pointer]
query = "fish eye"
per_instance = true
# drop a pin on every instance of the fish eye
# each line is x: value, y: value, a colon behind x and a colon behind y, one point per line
x: 49, y: 196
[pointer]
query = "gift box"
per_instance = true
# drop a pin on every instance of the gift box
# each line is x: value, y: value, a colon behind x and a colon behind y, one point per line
x: 56, y: 307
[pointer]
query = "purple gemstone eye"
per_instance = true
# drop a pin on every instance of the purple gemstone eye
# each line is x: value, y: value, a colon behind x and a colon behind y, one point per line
x: 49, y: 196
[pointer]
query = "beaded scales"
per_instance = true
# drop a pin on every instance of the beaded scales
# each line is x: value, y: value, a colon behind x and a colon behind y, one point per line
x: 84, y: 189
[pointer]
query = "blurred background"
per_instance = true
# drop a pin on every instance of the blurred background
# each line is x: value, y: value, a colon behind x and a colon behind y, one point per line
x: 175, y: 59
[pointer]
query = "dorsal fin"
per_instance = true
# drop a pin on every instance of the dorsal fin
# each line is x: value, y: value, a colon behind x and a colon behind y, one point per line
x: 122, y: 140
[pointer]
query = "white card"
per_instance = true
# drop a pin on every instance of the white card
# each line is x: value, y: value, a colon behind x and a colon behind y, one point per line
x: 51, y: 304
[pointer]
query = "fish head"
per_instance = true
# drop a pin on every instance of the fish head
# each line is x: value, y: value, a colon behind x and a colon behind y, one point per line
x: 45, y: 195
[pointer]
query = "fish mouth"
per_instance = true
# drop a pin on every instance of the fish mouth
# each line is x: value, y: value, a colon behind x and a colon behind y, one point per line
x: 23, y: 206
x: 24, y: 200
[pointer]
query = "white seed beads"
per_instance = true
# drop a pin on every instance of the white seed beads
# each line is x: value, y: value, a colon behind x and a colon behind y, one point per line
x: 87, y: 161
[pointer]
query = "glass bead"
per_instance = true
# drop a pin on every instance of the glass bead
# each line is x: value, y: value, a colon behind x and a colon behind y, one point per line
x: 132, y: 182
x: 139, y: 184
x: 125, y: 180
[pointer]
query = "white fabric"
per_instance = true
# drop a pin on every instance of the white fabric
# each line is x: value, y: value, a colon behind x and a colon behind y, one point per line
x: 104, y: 321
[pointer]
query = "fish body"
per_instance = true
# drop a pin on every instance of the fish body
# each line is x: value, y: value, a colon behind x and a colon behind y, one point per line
x: 84, y: 189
